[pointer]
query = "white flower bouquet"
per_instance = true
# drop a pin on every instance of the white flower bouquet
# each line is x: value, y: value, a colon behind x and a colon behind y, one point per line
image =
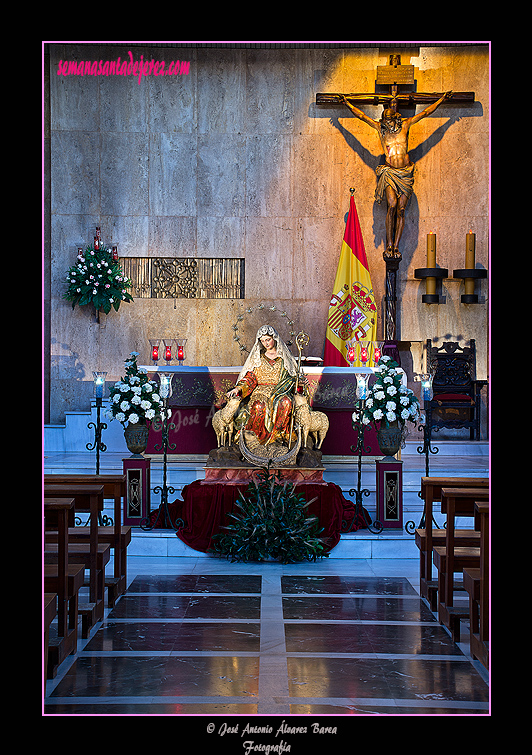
x: 389, y: 401
x: 99, y: 279
x: 134, y: 398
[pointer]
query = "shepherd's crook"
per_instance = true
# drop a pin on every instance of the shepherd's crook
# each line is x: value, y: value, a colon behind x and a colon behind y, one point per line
x: 302, y: 339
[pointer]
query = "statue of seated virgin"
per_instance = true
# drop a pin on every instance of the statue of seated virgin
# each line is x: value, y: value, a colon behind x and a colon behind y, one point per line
x: 259, y: 413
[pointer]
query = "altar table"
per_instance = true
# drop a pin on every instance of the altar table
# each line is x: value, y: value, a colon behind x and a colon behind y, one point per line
x: 198, y: 392
x: 205, y: 507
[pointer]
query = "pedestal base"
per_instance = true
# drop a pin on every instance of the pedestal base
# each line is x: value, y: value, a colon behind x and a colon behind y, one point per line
x: 240, y: 475
x: 137, y: 502
x: 390, y: 492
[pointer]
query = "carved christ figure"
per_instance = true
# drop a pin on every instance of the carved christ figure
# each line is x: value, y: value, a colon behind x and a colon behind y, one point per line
x: 396, y: 176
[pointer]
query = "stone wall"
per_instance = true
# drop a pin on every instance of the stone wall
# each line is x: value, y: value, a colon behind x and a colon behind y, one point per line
x: 235, y: 160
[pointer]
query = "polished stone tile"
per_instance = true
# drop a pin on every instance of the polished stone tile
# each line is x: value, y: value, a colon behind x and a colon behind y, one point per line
x: 154, y: 606
x: 157, y: 675
x: 133, y: 708
x: 384, y: 678
x: 392, y: 708
x: 338, y: 585
x: 356, y: 608
x: 363, y: 638
x: 189, y: 583
x: 175, y: 637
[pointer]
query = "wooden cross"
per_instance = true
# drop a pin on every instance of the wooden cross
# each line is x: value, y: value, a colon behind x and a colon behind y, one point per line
x: 394, y: 76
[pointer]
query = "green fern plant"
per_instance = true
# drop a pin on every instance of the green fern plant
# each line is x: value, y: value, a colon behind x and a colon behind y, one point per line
x: 271, y: 523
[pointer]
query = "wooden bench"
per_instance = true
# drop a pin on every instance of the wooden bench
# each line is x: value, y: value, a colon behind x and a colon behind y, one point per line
x: 79, y: 553
x: 87, y: 498
x: 476, y: 583
x: 431, y: 488
x: 49, y: 612
x: 65, y: 580
x: 453, y: 557
x: 117, y: 536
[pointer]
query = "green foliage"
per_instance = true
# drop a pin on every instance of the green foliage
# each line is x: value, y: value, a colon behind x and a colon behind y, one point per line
x: 271, y: 522
x: 96, y: 278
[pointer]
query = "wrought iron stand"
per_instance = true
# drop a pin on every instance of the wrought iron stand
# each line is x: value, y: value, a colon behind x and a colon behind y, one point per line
x: 98, y: 444
x: 165, y: 489
x: 359, y: 492
x: 425, y: 449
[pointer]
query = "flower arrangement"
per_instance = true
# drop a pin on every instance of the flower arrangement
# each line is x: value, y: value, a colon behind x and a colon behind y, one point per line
x: 270, y: 522
x: 97, y: 278
x: 134, y: 398
x: 389, y: 401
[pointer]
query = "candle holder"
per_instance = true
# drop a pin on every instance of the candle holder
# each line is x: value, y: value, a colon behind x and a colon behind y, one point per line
x: 154, y: 350
x: 378, y: 346
x: 180, y: 350
x: 469, y: 276
x: 360, y: 447
x: 425, y: 273
x: 351, y: 353
x: 165, y: 392
x: 98, y: 444
x: 168, y: 344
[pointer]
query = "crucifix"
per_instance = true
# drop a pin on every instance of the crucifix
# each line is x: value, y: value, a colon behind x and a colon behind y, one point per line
x: 395, y: 178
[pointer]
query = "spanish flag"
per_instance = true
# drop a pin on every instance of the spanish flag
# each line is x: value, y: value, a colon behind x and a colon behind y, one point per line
x: 352, y: 311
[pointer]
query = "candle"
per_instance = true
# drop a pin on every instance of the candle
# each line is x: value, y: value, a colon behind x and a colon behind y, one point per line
x: 115, y: 253
x: 180, y: 353
x: 377, y: 353
x: 431, y: 262
x: 470, y: 251
x: 155, y: 353
x: 168, y: 353
x: 351, y: 355
x: 470, y: 262
x: 364, y: 351
x: 362, y: 385
x: 431, y: 249
x: 99, y: 383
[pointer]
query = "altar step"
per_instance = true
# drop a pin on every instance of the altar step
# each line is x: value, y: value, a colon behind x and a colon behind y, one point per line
x: 361, y: 544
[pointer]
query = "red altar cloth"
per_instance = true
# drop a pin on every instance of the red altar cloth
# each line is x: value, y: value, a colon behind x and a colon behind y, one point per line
x: 205, y: 506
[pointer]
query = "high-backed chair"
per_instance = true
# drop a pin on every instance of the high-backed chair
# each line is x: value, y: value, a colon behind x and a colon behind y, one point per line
x: 456, y: 392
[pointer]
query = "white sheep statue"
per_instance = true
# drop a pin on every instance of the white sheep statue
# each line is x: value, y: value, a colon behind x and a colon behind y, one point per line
x: 222, y: 421
x: 312, y: 422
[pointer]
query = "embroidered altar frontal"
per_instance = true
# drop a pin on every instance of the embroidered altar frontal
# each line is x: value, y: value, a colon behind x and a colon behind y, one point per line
x: 198, y: 392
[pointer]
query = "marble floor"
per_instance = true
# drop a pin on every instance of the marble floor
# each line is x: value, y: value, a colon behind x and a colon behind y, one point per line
x: 250, y: 642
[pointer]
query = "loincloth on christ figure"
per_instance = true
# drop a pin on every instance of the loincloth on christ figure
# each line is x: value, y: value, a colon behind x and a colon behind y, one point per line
x: 400, y: 179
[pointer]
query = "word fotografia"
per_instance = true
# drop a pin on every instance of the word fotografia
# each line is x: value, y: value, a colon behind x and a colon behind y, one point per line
x: 284, y: 729
x: 121, y: 67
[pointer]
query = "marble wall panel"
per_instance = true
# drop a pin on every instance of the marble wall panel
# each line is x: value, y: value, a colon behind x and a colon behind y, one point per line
x: 173, y: 181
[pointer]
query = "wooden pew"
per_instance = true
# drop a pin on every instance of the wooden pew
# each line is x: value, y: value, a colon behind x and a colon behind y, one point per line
x: 427, y: 537
x: 453, y: 558
x: 88, y: 498
x: 476, y: 583
x: 117, y: 536
x: 49, y: 612
x: 65, y: 580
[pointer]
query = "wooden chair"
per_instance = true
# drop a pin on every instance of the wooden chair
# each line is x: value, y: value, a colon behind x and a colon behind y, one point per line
x: 87, y: 498
x: 426, y: 537
x: 476, y: 583
x: 453, y: 558
x: 65, y: 580
x: 117, y: 536
x: 456, y: 399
